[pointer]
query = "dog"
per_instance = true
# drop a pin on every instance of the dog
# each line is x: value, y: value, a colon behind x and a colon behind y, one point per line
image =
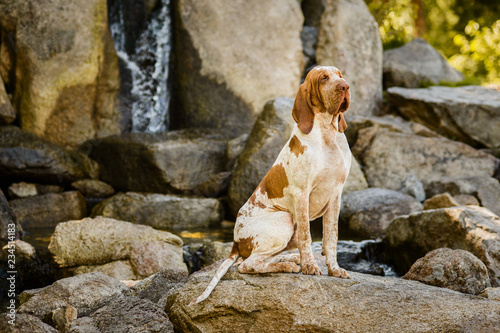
x: 304, y: 183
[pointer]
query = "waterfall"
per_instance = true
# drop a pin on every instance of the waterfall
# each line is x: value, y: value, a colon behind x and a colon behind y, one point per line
x: 142, y: 38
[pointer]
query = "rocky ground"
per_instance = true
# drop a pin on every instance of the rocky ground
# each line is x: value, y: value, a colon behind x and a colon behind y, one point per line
x: 128, y: 213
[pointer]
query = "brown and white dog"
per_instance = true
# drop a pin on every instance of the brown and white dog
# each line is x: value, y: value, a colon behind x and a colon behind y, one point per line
x: 303, y: 184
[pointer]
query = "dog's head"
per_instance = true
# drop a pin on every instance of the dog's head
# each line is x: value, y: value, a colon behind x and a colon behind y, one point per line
x: 324, y: 90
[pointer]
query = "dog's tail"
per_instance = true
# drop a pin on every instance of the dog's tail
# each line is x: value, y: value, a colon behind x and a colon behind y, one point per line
x: 233, y: 256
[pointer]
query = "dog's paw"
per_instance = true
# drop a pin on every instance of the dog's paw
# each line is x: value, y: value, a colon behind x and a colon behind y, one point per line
x: 310, y: 268
x: 291, y: 267
x: 338, y: 272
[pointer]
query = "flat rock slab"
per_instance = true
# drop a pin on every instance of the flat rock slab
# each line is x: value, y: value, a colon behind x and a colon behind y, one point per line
x: 469, y: 114
x: 300, y: 303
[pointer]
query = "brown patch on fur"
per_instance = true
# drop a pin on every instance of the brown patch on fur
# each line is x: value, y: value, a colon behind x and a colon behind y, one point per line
x: 253, y: 201
x: 245, y: 246
x: 296, y: 146
x: 274, y: 182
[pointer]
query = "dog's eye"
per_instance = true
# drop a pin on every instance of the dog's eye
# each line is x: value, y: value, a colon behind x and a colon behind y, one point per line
x: 324, y: 77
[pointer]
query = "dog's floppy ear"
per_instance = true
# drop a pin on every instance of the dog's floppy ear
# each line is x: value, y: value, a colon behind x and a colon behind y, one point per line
x: 342, y: 123
x: 302, y: 109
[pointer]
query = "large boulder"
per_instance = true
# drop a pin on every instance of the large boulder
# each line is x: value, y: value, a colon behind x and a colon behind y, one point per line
x: 129, y: 314
x: 269, y: 134
x: 457, y: 270
x: 468, y: 114
x: 173, y: 161
x: 66, y: 69
x: 24, y: 323
x: 415, y: 64
x: 485, y: 189
x: 356, y: 180
x: 86, y: 293
x: 102, y: 240
x: 225, y: 76
x: 48, y: 210
x: 29, y: 157
x: 282, y: 302
x: 389, y: 157
x: 349, y: 39
x: 7, y: 113
x: 469, y: 228
x: 163, y: 211
x: 367, y: 213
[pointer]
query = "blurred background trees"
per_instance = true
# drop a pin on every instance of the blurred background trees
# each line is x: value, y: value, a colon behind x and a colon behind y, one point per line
x: 466, y: 32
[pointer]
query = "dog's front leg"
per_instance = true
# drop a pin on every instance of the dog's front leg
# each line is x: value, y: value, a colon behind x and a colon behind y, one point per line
x: 330, y: 238
x: 308, y: 264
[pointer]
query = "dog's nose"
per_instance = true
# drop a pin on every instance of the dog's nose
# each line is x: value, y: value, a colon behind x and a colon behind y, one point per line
x: 344, y: 86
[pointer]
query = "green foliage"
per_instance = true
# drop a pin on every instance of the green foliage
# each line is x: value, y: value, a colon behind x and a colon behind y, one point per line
x: 467, y: 32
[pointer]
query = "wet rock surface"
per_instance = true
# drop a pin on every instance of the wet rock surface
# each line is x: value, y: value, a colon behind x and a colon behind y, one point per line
x: 457, y: 270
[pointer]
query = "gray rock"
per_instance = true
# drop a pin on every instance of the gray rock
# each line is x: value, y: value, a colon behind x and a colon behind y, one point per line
x: 468, y: 114
x: 367, y: 213
x: 159, y: 163
x: 389, y: 157
x: 48, y: 210
x: 215, y: 186
x: 7, y: 113
x: 86, y: 293
x: 269, y: 134
x: 159, y: 284
x: 129, y: 314
x: 93, y: 188
x: 466, y: 200
x: 10, y: 228
x: 150, y: 257
x: 63, y: 317
x: 457, y: 270
x: 234, y: 149
x: 313, y: 9
x: 164, y: 211
x: 22, y: 190
x: 119, y: 269
x: 309, y: 37
x: 24, y: 323
x: 66, y: 61
x: 486, y: 189
x: 413, y: 187
x: 101, y: 240
x: 356, y: 180
x: 349, y: 40
x: 470, y: 228
x: 282, y: 302
x: 224, y: 79
x: 443, y: 200
x: 491, y: 293
x: 29, y: 157
x: 417, y: 63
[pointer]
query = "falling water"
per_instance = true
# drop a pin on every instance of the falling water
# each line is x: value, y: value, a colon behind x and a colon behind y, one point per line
x: 146, y: 94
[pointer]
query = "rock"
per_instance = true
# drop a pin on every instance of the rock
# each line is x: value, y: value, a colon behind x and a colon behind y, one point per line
x: 309, y: 37
x: 313, y: 9
x: 356, y: 52
x: 491, y: 293
x: 466, y: 200
x: 130, y: 314
x: 29, y: 157
x: 468, y: 114
x: 156, y: 286
x: 281, y: 302
x: 215, y: 186
x: 269, y: 134
x: 24, y: 323
x: 368, y: 212
x: 48, y: 210
x: 10, y: 228
x: 224, y: 80
x: 149, y: 258
x: 66, y: 70
x: 159, y: 163
x: 443, y: 200
x: 22, y: 190
x: 63, y: 316
x: 486, y: 189
x: 163, y: 211
x: 415, y: 64
x: 234, y: 149
x: 470, y: 228
x: 200, y: 255
x: 101, y: 240
x: 119, y: 269
x: 86, y: 293
x: 413, y: 187
x: 356, y: 180
x: 388, y: 158
x: 457, y: 270
x: 93, y: 188
x: 7, y: 113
